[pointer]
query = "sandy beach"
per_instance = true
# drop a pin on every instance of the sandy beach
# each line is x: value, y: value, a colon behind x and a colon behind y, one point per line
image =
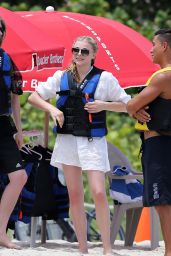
x: 63, y: 248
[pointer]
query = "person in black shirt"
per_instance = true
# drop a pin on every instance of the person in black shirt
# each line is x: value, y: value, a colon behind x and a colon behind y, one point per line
x: 10, y: 141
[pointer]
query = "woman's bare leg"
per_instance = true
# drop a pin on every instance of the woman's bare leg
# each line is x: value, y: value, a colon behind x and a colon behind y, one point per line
x: 73, y: 177
x: 97, y: 186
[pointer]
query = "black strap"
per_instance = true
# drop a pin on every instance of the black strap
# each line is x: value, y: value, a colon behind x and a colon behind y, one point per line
x: 73, y: 93
x: 1, y: 58
x: 5, y: 73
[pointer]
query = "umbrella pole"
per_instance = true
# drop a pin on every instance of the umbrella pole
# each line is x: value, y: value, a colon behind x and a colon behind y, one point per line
x: 46, y: 137
x: 46, y: 129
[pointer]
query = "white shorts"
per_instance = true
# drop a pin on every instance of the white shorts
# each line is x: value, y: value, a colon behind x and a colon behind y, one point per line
x: 78, y: 151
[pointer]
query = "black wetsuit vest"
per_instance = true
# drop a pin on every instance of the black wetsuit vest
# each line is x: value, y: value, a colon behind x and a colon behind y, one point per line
x: 159, y: 110
x: 160, y: 113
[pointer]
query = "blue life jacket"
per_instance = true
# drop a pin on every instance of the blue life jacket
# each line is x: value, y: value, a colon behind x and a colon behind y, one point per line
x: 5, y: 83
x: 73, y: 97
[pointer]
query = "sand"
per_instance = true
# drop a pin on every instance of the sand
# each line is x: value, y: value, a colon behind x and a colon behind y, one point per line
x: 64, y: 248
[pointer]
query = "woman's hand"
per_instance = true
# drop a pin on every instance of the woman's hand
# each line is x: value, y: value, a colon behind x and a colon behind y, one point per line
x: 94, y: 106
x: 57, y: 115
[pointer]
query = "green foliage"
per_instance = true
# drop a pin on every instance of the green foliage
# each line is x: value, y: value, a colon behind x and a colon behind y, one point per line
x: 163, y: 18
x: 96, y: 7
x: 141, y: 10
x: 33, y: 119
x: 5, y: 5
x: 21, y: 6
x: 31, y: 4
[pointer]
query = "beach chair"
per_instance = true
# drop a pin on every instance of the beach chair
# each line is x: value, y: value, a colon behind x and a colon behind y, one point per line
x: 132, y: 210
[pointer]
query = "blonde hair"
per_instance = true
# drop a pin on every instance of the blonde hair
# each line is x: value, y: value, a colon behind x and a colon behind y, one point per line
x: 72, y: 67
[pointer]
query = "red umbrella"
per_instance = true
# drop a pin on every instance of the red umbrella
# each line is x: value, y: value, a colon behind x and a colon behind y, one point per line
x: 30, y: 48
x: 122, y: 51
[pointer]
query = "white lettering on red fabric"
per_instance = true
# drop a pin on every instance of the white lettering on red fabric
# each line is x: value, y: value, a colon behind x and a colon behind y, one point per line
x: 34, y: 83
x: 104, y: 45
x: 43, y: 61
x: 24, y: 83
x: 56, y: 59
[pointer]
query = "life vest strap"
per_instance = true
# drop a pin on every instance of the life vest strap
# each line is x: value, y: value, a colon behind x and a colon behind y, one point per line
x: 5, y: 73
x: 75, y: 125
x: 73, y: 93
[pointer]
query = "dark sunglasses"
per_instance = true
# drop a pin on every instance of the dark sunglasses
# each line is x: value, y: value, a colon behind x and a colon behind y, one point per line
x: 84, y: 51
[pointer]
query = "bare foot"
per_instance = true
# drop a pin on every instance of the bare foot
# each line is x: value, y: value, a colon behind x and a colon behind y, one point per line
x: 83, y: 253
x: 108, y: 252
x: 5, y: 242
x: 111, y: 254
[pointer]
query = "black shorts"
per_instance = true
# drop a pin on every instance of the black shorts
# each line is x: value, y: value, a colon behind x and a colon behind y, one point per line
x: 156, y: 165
x: 10, y: 158
x: 7, y: 127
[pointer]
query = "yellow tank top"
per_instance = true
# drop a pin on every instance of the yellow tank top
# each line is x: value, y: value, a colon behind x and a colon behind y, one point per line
x: 143, y: 127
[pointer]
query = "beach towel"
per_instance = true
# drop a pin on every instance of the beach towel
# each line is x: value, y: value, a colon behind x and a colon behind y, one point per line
x: 125, y: 190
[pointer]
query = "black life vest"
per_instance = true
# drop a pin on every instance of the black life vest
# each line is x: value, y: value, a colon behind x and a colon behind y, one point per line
x: 160, y: 113
x: 159, y: 110
x: 78, y: 121
x: 43, y: 194
x: 5, y: 83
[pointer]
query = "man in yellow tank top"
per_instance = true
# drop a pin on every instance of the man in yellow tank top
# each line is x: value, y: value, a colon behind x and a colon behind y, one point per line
x: 156, y: 158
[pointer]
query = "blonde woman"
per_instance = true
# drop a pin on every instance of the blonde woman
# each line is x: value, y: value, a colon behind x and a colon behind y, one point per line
x: 84, y: 94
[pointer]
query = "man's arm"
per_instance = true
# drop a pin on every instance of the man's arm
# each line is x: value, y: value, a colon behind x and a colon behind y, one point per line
x: 151, y: 92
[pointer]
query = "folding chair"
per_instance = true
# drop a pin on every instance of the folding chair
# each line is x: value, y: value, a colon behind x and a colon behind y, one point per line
x: 133, y: 209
